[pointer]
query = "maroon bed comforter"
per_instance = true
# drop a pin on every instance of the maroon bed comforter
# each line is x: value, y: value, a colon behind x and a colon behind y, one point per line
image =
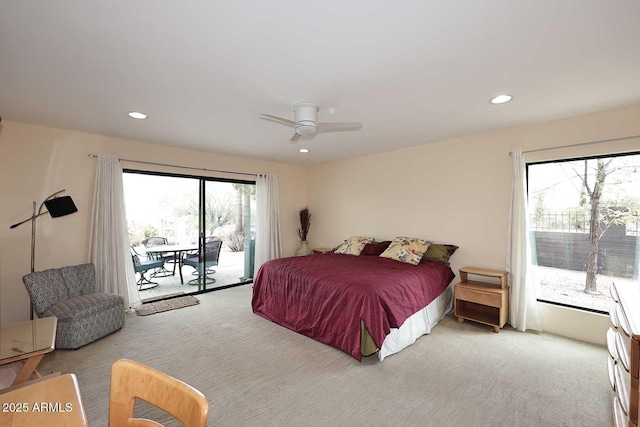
x: 325, y: 296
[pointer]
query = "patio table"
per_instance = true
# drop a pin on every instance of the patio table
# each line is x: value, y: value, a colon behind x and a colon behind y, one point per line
x: 177, y: 250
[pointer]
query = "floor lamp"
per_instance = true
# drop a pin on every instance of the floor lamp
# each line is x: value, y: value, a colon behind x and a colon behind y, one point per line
x: 56, y: 206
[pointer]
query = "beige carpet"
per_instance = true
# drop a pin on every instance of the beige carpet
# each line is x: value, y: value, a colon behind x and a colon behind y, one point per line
x: 149, y: 308
x: 256, y: 373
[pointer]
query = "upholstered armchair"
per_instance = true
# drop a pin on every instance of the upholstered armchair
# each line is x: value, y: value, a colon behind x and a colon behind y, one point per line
x: 69, y: 294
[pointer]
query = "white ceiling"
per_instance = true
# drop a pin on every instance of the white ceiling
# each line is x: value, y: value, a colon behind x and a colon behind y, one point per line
x: 413, y: 71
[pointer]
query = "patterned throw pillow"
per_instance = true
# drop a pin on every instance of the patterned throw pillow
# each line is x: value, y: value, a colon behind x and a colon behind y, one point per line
x: 353, y: 245
x: 406, y: 249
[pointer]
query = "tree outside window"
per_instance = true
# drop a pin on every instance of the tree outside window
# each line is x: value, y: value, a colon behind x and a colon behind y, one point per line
x: 584, y: 222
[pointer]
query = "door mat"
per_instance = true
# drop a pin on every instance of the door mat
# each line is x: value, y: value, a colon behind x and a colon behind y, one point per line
x: 162, y: 297
x: 166, y: 305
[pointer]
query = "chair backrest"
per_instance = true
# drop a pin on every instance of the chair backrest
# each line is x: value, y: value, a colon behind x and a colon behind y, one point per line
x: 212, y: 250
x: 154, y: 241
x: 136, y: 261
x: 45, y: 289
x: 131, y: 380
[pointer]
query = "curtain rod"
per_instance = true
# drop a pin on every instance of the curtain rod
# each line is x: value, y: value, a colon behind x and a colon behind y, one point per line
x: 94, y: 156
x: 580, y: 144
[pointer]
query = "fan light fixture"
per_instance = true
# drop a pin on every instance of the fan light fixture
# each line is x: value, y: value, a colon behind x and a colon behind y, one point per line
x: 304, y: 150
x: 306, y: 122
x: 137, y: 115
x: 306, y: 129
x: 501, y: 99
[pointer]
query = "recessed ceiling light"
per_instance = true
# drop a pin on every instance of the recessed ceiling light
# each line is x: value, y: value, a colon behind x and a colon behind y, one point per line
x: 137, y: 115
x: 304, y: 150
x: 501, y: 99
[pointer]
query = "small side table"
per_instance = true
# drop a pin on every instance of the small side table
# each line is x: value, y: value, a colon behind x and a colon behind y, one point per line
x: 321, y: 250
x: 26, y: 343
x: 481, y: 301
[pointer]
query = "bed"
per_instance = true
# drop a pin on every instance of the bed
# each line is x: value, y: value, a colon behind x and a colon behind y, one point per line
x: 358, y: 304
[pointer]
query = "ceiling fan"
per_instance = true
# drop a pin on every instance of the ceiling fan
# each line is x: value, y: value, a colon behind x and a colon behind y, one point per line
x: 306, y: 122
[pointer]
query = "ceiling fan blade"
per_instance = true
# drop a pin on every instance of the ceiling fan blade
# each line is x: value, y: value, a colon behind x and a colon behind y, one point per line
x: 278, y: 119
x: 296, y: 136
x: 334, y: 126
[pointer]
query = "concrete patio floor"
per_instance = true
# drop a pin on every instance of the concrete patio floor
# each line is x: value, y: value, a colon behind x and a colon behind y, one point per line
x: 230, y: 270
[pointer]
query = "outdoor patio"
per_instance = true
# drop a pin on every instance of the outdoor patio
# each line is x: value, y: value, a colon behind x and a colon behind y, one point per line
x: 229, y: 271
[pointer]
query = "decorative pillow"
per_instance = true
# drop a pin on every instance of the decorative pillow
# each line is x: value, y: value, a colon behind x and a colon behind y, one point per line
x: 406, y: 249
x: 439, y: 253
x: 375, y: 248
x: 353, y: 245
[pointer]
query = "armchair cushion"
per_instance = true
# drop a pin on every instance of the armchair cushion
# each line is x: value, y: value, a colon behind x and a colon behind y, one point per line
x: 85, y: 305
x: 45, y: 288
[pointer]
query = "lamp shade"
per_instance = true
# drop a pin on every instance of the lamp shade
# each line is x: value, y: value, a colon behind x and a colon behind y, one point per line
x: 60, y: 206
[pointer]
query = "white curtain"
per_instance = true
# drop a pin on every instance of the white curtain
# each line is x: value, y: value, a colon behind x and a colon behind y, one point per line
x: 109, y: 248
x: 523, y: 310
x: 268, y: 243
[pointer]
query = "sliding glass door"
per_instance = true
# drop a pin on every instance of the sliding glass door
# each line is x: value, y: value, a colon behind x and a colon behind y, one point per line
x: 201, y: 228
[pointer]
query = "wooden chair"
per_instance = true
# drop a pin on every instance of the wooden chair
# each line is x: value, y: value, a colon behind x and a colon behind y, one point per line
x: 131, y: 380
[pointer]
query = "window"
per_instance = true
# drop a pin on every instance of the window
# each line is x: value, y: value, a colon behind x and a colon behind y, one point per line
x: 584, y: 219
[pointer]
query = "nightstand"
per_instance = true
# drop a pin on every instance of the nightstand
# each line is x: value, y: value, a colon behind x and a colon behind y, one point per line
x: 482, y: 302
x: 321, y: 250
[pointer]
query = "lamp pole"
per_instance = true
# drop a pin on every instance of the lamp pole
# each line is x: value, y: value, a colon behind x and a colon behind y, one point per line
x: 33, y: 243
x: 33, y: 217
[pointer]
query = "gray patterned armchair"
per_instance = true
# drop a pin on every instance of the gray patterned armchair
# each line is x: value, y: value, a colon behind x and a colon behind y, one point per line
x: 69, y: 294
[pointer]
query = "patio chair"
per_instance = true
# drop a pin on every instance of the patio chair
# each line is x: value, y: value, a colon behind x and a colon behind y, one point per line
x: 212, y: 248
x: 142, y: 266
x: 152, y: 241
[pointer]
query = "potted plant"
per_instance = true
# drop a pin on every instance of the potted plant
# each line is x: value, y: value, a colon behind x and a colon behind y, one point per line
x: 303, y: 231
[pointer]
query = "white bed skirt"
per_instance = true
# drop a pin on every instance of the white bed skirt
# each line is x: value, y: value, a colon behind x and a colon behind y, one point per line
x: 420, y: 323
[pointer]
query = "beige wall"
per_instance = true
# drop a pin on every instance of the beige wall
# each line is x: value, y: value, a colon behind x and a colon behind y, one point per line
x: 457, y: 192
x: 37, y: 161
x: 454, y: 191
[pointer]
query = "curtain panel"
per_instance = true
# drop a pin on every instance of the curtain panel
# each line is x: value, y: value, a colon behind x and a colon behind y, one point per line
x: 268, y: 242
x: 523, y: 309
x: 109, y: 247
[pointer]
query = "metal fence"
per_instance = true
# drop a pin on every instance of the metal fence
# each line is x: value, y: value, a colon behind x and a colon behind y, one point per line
x: 575, y: 222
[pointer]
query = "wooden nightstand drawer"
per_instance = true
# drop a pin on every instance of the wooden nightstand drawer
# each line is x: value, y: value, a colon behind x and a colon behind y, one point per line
x: 490, y: 297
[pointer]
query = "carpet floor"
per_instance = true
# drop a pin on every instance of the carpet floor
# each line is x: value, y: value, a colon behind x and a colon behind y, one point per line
x: 257, y: 373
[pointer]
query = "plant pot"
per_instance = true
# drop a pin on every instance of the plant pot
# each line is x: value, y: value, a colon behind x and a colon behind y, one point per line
x: 304, y: 249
